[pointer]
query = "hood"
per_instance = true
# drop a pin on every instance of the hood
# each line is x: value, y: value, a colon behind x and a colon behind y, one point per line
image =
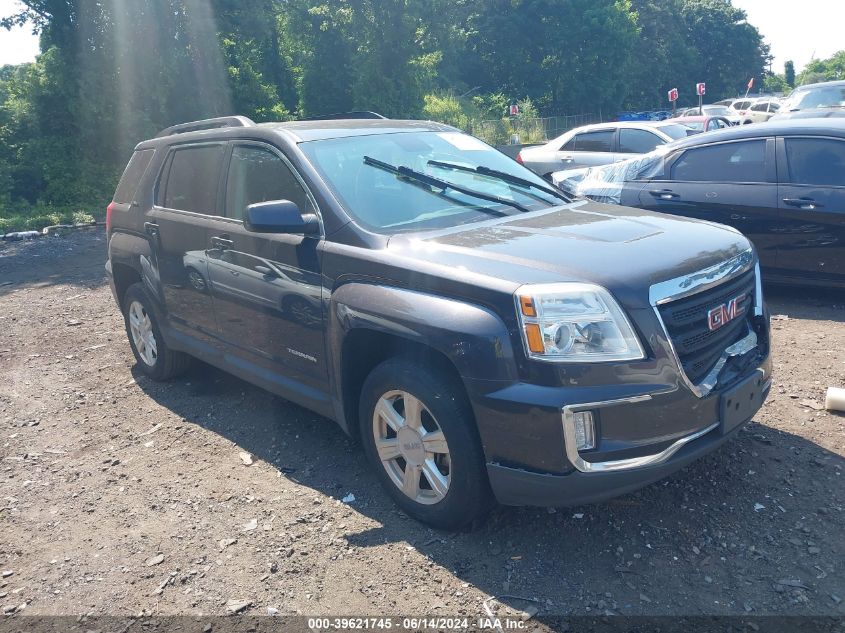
x: 625, y: 250
x: 811, y: 113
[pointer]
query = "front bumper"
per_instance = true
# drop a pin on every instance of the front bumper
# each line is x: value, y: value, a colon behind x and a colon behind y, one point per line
x: 516, y: 487
x: 543, y: 468
x: 649, y: 419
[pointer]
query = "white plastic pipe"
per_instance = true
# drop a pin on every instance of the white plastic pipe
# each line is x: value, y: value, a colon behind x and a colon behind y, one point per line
x: 835, y: 399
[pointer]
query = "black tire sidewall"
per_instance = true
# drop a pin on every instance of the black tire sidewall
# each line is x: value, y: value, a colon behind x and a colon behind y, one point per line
x: 469, y: 496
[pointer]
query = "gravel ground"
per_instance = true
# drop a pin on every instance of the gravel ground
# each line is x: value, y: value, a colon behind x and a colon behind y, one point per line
x: 122, y: 496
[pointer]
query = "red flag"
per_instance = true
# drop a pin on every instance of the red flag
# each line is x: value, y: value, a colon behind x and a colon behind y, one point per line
x: 751, y: 83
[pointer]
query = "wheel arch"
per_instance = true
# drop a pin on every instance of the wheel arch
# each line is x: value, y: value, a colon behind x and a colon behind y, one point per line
x: 370, y: 323
x: 132, y: 261
x: 124, y: 276
x: 364, y: 349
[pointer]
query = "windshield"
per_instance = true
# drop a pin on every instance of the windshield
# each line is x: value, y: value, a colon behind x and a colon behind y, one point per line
x: 675, y: 131
x: 716, y: 110
x: 822, y: 97
x: 359, y: 170
x: 605, y: 183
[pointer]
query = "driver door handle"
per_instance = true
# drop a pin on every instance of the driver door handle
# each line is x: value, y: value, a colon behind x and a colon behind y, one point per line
x: 808, y: 204
x: 664, y: 194
x: 222, y: 242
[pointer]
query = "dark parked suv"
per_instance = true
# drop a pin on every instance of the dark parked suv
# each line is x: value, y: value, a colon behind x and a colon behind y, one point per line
x: 486, y: 337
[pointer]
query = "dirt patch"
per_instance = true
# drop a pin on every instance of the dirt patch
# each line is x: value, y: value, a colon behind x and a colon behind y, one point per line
x: 119, y: 495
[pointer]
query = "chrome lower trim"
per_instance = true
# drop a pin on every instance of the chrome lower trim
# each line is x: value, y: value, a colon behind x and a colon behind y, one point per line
x: 621, y: 464
x: 688, y: 285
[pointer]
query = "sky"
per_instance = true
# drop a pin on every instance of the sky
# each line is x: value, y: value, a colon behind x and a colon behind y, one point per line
x: 18, y: 45
x: 798, y: 31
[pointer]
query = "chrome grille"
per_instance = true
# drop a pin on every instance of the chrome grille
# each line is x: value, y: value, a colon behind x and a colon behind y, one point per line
x: 687, y: 324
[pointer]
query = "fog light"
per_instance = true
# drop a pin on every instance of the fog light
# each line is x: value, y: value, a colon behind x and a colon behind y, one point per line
x: 585, y: 434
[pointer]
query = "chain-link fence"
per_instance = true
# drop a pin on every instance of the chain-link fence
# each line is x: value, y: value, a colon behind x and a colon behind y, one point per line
x: 523, y: 131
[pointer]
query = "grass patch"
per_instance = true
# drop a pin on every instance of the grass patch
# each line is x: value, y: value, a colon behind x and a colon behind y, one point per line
x: 37, y: 218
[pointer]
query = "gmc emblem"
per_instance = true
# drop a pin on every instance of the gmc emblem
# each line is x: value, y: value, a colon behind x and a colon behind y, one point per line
x: 725, y: 313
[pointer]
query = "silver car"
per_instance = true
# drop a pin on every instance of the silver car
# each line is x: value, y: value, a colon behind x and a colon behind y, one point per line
x: 599, y: 144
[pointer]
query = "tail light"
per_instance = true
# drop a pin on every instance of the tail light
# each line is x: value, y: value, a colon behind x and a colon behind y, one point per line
x: 109, y: 209
x: 519, y: 158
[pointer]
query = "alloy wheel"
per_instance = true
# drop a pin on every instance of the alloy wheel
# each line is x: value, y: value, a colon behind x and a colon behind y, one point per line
x: 412, y: 447
x: 143, y: 337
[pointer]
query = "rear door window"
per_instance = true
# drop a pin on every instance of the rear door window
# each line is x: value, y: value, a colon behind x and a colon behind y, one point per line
x: 193, y: 179
x: 128, y: 185
x: 601, y: 141
x: 816, y: 161
x: 257, y: 174
x: 638, y: 141
x: 744, y: 161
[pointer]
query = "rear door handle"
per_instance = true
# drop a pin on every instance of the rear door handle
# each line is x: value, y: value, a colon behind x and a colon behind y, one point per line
x: 808, y: 204
x: 664, y: 194
x: 151, y: 229
x: 222, y: 242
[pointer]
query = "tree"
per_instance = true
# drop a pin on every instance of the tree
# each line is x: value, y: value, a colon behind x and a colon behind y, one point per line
x: 566, y: 55
x: 728, y: 50
x: 665, y: 59
x: 829, y: 69
x: 123, y: 69
x: 773, y: 83
x: 789, y: 73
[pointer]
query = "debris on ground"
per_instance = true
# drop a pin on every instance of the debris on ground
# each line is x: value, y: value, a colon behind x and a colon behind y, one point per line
x: 86, y: 499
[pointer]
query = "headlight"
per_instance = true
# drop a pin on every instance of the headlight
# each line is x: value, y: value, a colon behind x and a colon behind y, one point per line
x: 575, y: 322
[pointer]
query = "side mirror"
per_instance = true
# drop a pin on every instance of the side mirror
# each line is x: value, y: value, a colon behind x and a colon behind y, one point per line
x: 280, y: 216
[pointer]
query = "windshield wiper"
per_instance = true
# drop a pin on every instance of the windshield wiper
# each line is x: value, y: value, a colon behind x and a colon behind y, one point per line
x: 431, y: 181
x: 501, y: 175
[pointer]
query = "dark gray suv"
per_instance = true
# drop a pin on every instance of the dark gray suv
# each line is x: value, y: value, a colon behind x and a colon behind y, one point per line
x: 485, y: 336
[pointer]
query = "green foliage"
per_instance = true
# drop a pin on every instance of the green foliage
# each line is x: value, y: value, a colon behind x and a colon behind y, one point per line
x: 35, y: 218
x: 773, y: 83
x: 789, y: 73
x: 114, y: 72
x: 829, y: 69
x: 447, y: 108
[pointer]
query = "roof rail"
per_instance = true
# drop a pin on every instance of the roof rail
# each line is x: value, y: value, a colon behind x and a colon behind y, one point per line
x: 360, y: 114
x: 207, y: 124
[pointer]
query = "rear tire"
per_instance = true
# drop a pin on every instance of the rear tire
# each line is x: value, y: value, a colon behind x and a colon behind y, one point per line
x: 152, y: 355
x: 419, y: 433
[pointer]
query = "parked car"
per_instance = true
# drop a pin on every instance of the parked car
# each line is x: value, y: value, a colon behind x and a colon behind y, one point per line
x: 711, y: 110
x: 761, y: 111
x: 781, y: 183
x: 814, y: 100
x: 599, y: 144
x: 740, y: 107
x: 704, y: 123
x: 486, y: 338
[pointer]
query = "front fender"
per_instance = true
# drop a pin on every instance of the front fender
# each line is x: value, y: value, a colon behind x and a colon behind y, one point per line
x: 474, y: 339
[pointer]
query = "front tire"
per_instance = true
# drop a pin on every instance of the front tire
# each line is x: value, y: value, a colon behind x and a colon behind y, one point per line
x: 153, y: 356
x: 419, y: 433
